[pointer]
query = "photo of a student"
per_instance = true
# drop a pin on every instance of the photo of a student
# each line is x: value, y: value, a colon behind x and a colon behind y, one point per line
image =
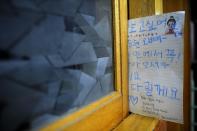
x: 171, y: 23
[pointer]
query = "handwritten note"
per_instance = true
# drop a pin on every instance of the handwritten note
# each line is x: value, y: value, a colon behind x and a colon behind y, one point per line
x: 155, y: 46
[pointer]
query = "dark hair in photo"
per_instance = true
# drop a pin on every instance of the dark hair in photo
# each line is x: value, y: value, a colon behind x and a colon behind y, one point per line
x: 171, y: 20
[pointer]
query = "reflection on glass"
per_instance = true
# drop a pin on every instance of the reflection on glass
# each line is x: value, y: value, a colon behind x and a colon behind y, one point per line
x: 55, y: 57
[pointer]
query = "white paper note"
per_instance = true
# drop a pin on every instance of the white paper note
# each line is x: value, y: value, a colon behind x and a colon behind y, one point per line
x: 155, y: 46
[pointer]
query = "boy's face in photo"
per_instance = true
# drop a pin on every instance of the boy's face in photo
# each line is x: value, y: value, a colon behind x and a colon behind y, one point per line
x: 171, y: 24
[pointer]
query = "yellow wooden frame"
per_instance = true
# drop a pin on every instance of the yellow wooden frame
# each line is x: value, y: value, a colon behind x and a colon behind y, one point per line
x: 138, y: 123
x: 106, y: 113
x: 158, y: 7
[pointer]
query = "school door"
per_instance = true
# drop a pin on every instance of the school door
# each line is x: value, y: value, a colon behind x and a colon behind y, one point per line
x: 110, y: 112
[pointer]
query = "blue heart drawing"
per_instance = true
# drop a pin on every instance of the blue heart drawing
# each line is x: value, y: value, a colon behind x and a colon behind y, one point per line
x: 134, y: 100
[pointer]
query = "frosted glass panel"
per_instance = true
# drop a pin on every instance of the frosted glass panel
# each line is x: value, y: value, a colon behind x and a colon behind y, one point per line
x: 55, y: 57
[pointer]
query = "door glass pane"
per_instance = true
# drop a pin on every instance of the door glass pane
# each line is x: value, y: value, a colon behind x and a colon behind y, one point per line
x: 55, y: 57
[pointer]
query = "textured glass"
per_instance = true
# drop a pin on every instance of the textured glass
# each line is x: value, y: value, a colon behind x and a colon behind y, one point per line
x: 55, y: 57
